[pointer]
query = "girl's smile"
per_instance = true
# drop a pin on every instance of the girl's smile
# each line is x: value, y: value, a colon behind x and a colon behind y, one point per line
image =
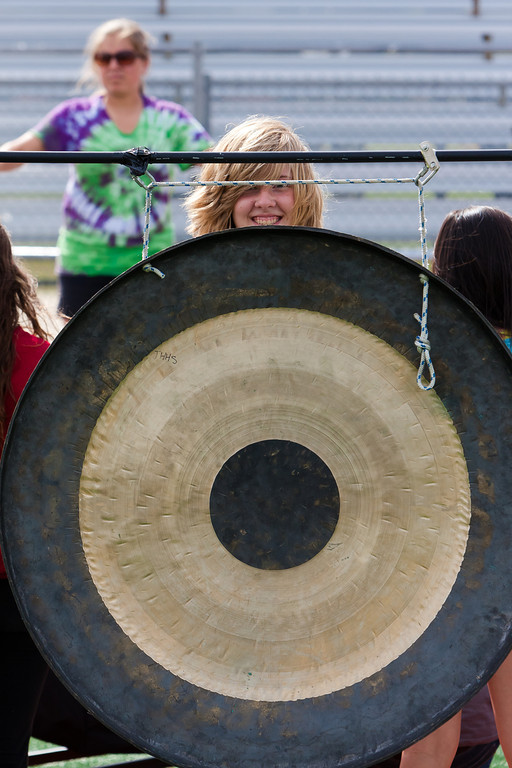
x: 265, y: 206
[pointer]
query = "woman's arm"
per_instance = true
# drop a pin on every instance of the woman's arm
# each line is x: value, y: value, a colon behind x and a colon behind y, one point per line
x: 500, y: 688
x: 436, y: 750
x: 27, y: 142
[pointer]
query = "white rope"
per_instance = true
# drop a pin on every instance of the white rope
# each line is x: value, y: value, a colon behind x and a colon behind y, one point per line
x: 269, y: 182
x: 429, y: 170
x: 422, y: 341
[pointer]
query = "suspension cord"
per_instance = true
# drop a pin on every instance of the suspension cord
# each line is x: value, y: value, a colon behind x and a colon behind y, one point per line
x: 430, y: 168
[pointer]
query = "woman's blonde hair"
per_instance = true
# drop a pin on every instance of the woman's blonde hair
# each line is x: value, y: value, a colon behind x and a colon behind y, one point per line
x: 210, y: 209
x: 126, y: 29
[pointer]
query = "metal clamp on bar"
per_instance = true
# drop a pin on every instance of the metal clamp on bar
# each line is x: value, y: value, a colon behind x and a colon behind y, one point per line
x: 431, y: 166
x: 137, y: 160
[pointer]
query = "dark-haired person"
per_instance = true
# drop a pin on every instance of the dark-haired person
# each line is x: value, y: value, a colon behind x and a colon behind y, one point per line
x: 473, y: 253
x: 23, y: 341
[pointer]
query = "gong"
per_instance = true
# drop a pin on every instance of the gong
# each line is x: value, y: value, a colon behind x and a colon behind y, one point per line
x: 237, y: 528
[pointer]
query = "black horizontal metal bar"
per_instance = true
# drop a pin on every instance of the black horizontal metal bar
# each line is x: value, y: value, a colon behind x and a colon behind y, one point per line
x: 280, y: 49
x: 142, y: 157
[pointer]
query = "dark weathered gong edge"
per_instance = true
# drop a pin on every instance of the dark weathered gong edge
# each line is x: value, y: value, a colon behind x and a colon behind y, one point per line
x: 323, y: 271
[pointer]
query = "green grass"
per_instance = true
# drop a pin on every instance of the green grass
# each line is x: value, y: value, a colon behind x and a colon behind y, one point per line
x: 98, y: 761
x: 43, y: 269
x: 498, y: 760
x: 102, y: 761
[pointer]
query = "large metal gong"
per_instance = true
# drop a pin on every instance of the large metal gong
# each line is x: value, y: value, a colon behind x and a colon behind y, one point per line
x: 239, y: 531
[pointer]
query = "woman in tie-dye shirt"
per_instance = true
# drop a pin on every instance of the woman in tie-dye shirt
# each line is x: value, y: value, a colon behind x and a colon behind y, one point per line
x: 103, y: 208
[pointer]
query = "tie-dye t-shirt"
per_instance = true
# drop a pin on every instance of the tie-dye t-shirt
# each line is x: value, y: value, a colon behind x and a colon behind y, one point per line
x: 506, y: 337
x: 103, y: 207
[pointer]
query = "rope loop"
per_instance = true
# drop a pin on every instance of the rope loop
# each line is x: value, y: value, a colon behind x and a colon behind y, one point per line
x: 154, y: 270
x: 422, y: 342
x: 147, y: 214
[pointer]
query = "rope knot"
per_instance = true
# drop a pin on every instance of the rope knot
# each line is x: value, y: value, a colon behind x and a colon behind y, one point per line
x: 422, y: 343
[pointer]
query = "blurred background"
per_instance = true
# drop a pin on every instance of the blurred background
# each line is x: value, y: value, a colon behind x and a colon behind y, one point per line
x: 361, y: 75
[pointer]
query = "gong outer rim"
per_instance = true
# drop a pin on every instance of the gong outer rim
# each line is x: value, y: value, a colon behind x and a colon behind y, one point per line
x: 318, y: 270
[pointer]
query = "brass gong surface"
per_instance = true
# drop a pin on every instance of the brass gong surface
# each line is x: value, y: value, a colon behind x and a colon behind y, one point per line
x: 239, y: 531
x: 164, y: 436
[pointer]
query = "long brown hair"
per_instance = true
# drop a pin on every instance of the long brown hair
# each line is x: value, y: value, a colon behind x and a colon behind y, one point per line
x: 19, y: 305
x: 473, y: 252
x: 210, y: 208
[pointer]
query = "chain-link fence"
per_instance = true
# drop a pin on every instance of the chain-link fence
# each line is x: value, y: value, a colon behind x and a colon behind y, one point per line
x: 332, y: 106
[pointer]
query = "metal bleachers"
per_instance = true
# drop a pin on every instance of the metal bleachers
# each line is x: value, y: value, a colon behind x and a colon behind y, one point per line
x: 346, y: 75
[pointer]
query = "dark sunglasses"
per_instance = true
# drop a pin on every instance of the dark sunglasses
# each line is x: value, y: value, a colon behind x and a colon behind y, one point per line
x: 123, y: 58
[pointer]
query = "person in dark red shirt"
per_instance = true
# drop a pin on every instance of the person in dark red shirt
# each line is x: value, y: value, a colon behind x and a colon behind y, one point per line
x: 23, y: 342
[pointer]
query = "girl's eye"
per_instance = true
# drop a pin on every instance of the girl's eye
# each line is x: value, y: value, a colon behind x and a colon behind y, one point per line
x: 248, y: 191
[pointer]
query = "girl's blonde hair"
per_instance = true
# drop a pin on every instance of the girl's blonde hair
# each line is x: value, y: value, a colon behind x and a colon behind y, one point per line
x: 126, y: 29
x: 210, y: 209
